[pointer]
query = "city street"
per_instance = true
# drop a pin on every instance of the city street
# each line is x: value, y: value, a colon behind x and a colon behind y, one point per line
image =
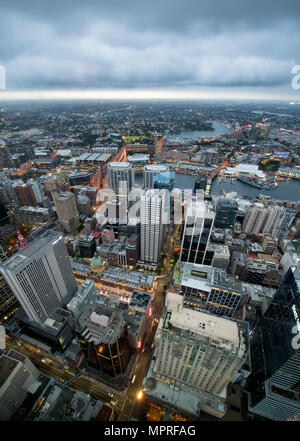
x: 125, y: 403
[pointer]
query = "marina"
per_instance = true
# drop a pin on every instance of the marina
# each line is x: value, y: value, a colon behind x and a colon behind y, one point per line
x: 285, y: 191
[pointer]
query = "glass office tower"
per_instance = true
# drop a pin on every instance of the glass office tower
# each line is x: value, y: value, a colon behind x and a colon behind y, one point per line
x: 275, y: 379
x: 226, y: 213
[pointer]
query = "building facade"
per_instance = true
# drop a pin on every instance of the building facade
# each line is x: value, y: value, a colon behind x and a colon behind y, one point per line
x: 121, y: 177
x: 198, y: 350
x: 275, y: 349
x: 196, y: 233
x: 152, y: 226
x: 226, y: 213
x: 40, y: 276
x: 67, y: 211
x: 152, y: 170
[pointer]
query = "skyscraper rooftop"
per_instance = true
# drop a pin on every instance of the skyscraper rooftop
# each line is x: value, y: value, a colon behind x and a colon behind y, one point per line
x: 32, y: 248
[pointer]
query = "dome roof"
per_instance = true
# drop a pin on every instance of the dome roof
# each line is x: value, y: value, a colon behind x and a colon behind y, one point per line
x: 96, y: 261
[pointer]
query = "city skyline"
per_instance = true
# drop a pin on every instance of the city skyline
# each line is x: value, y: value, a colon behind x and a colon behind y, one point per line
x: 149, y: 213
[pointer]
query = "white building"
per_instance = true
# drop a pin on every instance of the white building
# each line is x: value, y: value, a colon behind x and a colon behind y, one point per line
x: 41, y: 276
x: 152, y: 170
x: 153, y: 203
x: 255, y: 218
x: 121, y: 177
x: 274, y: 219
x: 245, y: 170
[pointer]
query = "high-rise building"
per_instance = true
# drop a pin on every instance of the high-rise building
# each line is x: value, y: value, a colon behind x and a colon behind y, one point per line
x: 152, y: 225
x: 40, y: 276
x: 197, y: 229
x: 275, y: 350
x: 198, y: 352
x: 27, y: 195
x: 36, y: 190
x: 132, y: 250
x: 67, y: 211
x: 203, y: 183
x: 226, y: 213
x: 279, y: 221
x: 286, y: 223
x: 86, y: 245
x: 17, y: 375
x: 7, y: 298
x: 273, y: 221
x: 212, y: 290
x: 121, y: 177
x: 152, y: 170
x: 255, y: 218
x: 104, y: 339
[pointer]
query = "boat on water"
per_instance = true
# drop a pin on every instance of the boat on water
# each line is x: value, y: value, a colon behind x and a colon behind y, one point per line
x: 250, y: 181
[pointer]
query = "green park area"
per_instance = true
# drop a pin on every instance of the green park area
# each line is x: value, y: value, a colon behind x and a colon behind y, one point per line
x: 272, y: 165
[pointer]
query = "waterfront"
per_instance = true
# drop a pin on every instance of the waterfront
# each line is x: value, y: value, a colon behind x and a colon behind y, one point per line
x: 286, y: 191
x: 219, y: 129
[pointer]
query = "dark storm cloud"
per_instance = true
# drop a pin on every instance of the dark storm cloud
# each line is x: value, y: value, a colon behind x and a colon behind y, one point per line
x: 114, y: 43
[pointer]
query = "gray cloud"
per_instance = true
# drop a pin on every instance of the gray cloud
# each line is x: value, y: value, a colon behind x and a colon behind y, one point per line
x: 135, y: 43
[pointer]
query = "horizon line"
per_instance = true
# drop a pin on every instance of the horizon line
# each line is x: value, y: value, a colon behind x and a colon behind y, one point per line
x: 139, y: 94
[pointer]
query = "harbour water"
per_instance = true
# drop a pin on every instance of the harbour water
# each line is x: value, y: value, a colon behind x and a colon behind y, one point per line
x: 220, y: 129
x: 286, y: 191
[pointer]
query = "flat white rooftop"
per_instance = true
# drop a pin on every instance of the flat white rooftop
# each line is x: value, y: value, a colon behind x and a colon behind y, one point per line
x: 191, y: 320
x: 119, y: 164
x: 247, y: 169
x: 33, y: 247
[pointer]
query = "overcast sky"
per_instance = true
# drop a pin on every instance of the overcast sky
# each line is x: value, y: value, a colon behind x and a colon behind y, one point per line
x: 215, y: 46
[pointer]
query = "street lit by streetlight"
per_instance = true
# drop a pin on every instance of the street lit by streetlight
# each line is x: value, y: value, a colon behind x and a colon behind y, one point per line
x: 139, y: 395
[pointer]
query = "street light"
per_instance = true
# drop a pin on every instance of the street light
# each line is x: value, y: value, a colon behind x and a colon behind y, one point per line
x: 139, y: 395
